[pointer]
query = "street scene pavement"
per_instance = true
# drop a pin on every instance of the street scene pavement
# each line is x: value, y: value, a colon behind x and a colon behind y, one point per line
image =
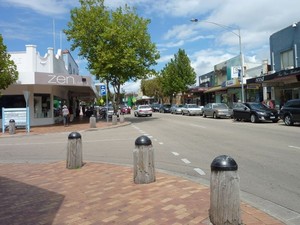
x: 102, y: 193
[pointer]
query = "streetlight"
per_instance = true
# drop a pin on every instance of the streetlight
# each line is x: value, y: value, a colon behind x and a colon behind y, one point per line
x: 230, y: 29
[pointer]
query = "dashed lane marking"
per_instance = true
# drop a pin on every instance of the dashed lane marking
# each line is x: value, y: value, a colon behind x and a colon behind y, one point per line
x: 294, y: 147
x: 175, y: 153
x: 198, y: 170
x: 186, y: 161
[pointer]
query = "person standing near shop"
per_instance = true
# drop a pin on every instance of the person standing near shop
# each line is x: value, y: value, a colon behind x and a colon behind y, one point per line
x: 65, y: 112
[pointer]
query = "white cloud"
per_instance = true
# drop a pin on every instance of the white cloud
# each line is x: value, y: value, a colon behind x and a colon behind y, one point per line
x: 131, y: 87
x: 45, y: 7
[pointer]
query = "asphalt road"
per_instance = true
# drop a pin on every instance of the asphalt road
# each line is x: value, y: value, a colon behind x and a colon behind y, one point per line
x: 267, y: 154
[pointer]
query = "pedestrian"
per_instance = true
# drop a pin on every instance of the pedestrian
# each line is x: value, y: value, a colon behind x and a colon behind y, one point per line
x: 65, y: 112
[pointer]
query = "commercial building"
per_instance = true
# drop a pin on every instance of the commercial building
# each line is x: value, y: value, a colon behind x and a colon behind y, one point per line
x: 45, y: 84
x: 283, y: 82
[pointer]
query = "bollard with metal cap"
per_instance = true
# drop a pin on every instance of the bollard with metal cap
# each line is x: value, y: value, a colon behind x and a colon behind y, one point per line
x: 143, y: 161
x: 114, y: 119
x: 12, y: 126
x: 92, y: 121
x: 121, y: 118
x: 74, y: 151
x: 224, y: 192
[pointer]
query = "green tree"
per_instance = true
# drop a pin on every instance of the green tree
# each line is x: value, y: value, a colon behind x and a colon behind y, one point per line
x: 8, y: 69
x: 152, y: 88
x: 177, y: 75
x: 116, y: 44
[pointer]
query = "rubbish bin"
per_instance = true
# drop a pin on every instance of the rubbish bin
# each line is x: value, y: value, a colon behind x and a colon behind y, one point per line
x: 12, y: 127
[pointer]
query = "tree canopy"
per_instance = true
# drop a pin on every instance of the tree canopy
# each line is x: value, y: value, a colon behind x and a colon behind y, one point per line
x: 116, y: 44
x: 152, y: 87
x: 177, y: 75
x: 8, y: 69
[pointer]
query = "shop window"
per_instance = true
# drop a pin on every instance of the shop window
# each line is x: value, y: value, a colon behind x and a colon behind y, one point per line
x: 11, y: 101
x: 287, y: 60
x: 42, y: 106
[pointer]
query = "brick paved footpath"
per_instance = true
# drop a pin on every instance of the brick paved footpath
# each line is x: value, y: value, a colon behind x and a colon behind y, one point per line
x: 101, y: 193
x: 97, y: 193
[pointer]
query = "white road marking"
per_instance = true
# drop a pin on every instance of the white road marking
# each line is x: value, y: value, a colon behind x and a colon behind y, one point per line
x: 201, y: 172
x: 294, y: 147
x: 186, y: 161
x: 175, y: 153
x: 161, y: 143
x: 149, y: 136
x: 195, y: 125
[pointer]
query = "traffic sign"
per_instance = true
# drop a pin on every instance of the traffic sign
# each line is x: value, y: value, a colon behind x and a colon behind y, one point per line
x: 102, y: 89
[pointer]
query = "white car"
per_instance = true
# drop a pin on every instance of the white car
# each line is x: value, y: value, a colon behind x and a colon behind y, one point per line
x: 143, y: 110
x: 191, y: 110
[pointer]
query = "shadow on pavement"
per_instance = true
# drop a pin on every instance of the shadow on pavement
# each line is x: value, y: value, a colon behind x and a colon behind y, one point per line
x: 26, y: 204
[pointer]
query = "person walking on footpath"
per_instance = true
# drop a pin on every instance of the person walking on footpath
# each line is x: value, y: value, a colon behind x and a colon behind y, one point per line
x: 65, y: 112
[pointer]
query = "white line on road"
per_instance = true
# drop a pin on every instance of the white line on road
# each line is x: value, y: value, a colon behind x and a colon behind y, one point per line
x: 175, y: 153
x: 201, y: 172
x: 195, y: 125
x: 161, y: 143
x: 186, y: 161
x: 294, y: 147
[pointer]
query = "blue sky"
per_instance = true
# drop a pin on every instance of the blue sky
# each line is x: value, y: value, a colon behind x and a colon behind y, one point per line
x: 39, y: 21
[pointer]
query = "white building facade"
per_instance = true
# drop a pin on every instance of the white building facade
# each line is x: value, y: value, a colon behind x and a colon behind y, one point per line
x: 50, y: 81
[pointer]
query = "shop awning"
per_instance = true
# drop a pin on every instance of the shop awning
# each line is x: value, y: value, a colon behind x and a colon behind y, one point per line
x: 214, y: 89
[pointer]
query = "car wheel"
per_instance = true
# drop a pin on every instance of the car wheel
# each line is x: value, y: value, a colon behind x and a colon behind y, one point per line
x: 189, y: 113
x: 215, y: 116
x: 288, y: 120
x: 253, y: 118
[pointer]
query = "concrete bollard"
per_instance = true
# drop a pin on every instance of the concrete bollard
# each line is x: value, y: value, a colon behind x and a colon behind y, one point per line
x: 12, y: 126
x: 92, y: 121
x: 121, y: 118
x: 143, y: 161
x: 224, y: 192
x: 114, y: 119
x: 74, y: 151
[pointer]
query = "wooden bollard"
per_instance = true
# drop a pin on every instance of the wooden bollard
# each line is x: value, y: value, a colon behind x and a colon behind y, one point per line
x: 92, y: 121
x: 143, y: 161
x: 74, y: 152
x: 114, y: 119
x: 121, y: 118
x: 224, y: 192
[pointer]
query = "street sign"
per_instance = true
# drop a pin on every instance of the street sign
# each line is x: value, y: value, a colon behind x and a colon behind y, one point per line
x: 102, y: 89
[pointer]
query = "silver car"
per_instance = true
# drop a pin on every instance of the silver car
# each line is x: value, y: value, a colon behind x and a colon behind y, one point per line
x: 176, y: 109
x: 217, y: 110
x: 143, y: 110
x: 191, y: 110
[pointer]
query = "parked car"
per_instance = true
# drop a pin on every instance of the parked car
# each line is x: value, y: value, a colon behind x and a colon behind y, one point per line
x: 165, y: 108
x: 290, y: 112
x: 125, y: 110
x: 104, y: 112
x: 143, y: 110
x: 191, y: 109
x: 217, y: 110
x: 155, y: 107
x: 176, y: 109
x: 254, y: 112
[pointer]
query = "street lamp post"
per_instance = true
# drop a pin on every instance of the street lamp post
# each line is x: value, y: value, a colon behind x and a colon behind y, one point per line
x: 230, y: 29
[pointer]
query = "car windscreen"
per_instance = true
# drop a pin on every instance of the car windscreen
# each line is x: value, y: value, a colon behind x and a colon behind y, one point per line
x: 220, y: 106
x: 258, y: 106
x: 144, y: 107
x: 192, y: 106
